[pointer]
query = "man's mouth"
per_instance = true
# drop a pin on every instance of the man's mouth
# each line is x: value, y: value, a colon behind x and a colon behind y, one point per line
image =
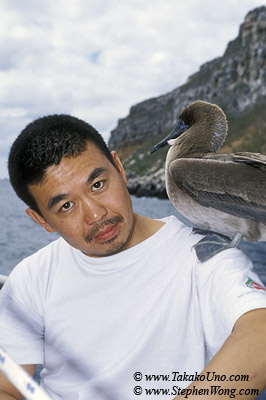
x: 105, y: 230
x: 106, y: 234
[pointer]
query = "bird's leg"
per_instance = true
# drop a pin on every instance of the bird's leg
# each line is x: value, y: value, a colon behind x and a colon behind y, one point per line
x: 213, y: 243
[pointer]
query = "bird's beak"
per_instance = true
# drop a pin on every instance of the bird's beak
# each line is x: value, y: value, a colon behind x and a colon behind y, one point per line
x: 177, y: 131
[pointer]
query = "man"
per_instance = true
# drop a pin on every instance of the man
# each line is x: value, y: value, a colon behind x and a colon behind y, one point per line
x: 119, y: 307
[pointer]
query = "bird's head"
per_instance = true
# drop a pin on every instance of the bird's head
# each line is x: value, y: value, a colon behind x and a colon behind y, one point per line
x: 205, y: 126
x: 170, y: 138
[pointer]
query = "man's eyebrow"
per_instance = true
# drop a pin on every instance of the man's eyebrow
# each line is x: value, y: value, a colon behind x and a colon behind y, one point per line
x: 94, y: 174
x: 56, y: 199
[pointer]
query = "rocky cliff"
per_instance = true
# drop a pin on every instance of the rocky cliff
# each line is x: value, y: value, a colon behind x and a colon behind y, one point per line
x: 236, y: 81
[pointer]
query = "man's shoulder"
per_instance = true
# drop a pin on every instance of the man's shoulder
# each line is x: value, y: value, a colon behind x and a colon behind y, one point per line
x: 40, y: 261
x: 178, y: 239
x: 46, y: 251
x: 178, y: 229
x: 188, y: 238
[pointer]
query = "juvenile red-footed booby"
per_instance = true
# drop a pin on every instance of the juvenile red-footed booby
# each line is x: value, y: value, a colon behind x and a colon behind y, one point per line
x: 224, y: 193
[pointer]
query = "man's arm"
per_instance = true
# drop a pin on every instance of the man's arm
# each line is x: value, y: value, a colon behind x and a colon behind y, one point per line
x: 243, y: 354
x: 8, y: 390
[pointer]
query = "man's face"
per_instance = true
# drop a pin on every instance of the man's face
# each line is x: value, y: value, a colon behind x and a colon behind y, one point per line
x: 86, y: 201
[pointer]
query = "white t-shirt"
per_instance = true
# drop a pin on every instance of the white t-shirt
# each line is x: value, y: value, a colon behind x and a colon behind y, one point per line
x: 153, y: 309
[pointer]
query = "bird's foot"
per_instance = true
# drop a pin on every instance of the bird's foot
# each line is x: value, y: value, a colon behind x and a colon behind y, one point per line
x: 213, y: 243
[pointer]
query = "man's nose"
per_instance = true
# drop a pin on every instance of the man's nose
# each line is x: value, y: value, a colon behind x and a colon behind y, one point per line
x: 93, y: 211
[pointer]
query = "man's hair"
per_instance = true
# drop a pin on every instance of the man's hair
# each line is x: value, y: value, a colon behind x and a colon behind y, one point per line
x: 44, y: 142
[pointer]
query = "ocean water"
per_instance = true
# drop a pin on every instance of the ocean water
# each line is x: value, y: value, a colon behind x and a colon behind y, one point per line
x: 20, y: 236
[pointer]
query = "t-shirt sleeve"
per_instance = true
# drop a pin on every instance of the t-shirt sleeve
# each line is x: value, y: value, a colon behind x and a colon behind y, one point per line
x: 227, y: 288
x: 21, y: 320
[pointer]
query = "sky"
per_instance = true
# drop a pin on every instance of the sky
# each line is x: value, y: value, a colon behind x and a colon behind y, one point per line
x: 94, y: 59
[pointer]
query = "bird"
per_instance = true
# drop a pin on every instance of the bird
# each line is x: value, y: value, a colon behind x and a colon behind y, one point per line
x: 224, y: 195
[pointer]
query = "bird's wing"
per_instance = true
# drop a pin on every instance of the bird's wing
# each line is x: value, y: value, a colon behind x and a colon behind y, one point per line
x: 255, y: 159
x: 235, y: 188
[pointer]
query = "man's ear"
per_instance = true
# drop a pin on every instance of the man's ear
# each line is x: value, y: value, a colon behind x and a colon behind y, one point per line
x: 39, y: 219
x: 119, y: 166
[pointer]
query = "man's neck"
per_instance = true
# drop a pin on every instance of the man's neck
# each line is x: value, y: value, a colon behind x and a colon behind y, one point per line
x: 143, y: 228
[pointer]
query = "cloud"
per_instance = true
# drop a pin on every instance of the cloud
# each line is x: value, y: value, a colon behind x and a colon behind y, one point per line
x: 96, y: 59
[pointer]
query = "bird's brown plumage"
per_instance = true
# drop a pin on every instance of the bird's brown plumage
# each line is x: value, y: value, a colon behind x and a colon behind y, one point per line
x: 225, y: 193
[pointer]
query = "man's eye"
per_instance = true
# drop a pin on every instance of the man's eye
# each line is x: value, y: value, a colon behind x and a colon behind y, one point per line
x: 66, y: 206
x: 97, y: 185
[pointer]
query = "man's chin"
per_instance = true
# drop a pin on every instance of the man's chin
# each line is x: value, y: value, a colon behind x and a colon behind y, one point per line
x: 111, y: 249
